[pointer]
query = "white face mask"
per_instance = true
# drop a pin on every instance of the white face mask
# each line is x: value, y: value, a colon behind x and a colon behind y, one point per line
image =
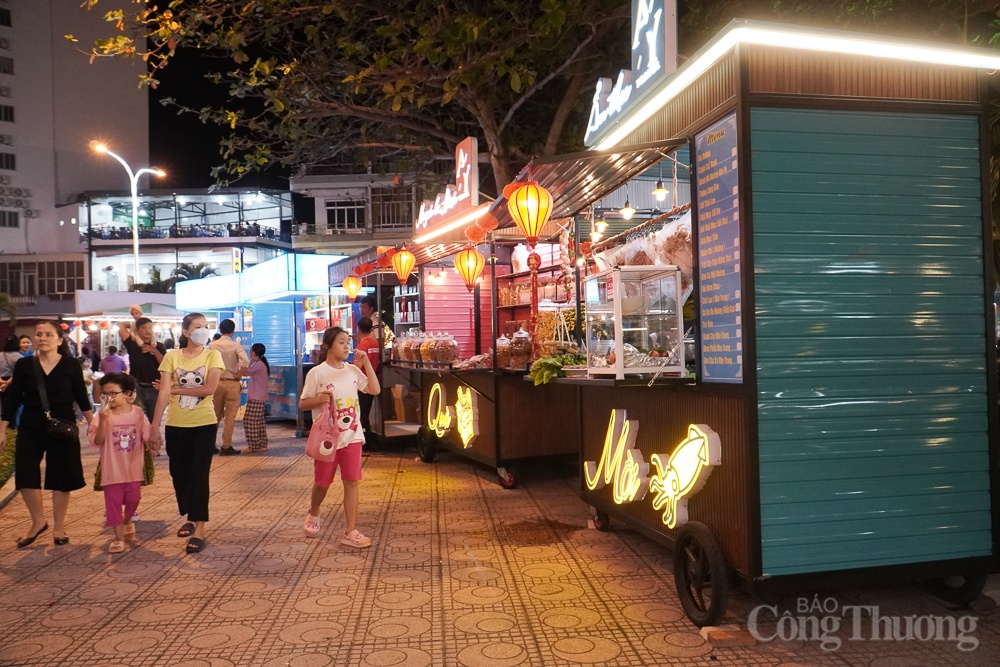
x: 200, y: 336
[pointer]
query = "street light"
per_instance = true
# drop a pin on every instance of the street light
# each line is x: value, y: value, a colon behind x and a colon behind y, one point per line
x: 133, y: 178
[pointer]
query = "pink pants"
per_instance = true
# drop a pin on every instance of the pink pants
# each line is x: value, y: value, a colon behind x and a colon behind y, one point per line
x: 116, y: 495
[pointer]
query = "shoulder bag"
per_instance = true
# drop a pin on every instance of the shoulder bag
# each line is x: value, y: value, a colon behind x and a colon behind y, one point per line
x: 322, y: 443
x: 57, y: 427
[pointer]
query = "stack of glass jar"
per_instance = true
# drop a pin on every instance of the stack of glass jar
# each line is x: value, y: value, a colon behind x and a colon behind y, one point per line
x: 415, y: 348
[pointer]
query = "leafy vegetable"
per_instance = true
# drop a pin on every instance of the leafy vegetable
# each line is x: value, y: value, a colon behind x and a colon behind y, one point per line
x: 546, y: 368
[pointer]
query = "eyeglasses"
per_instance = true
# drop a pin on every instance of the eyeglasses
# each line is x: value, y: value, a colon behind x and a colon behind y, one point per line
x: 110, y: 394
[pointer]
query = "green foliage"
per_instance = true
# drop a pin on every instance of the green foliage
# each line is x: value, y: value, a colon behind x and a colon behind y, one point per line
x: 7, y: 458
x: 8, y: 306
x: 547, y: 368
x: 314, y: 83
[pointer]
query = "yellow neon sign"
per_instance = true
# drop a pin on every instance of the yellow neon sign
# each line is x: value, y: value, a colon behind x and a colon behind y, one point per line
x: 439, y: 416
x: 621, y: 463
x: 467, y: 416
x: 463, y: 416
x: 684, y: 473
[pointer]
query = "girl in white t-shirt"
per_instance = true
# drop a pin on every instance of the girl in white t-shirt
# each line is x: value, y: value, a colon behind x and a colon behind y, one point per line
x: 338, y: 382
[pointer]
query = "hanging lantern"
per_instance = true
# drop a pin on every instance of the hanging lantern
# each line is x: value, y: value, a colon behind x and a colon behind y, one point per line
x: 470, y: 263
x: 390, y: 253
x: 104, y: 324
x: 488, y: 222
x: 403, y: 263
x: 64, y: 326
x: 475, y: 233
x: 77, y: 323
x: 530, y: 206
x: 383, y: 262
x: 352, y: 285
x: 358, y: 270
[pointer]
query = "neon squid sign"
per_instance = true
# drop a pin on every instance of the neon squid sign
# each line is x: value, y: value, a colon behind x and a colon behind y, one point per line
x: 677, y: 476
x: 463, y: 417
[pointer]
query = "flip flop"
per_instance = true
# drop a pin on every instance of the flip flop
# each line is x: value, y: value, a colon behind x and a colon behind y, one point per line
x: 195, y: 544
x: 185, y: 530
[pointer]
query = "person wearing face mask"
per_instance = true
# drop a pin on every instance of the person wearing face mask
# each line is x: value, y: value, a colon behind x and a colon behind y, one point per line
x: 189, y: 377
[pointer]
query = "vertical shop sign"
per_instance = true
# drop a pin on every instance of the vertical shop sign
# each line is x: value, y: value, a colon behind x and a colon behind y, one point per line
x: 462, y: 196
x: 719, y: 285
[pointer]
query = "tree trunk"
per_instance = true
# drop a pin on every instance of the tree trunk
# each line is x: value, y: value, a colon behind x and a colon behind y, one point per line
x: 565, y: 108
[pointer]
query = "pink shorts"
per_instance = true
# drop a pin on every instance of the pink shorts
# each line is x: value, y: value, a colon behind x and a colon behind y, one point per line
x: 349, y: 460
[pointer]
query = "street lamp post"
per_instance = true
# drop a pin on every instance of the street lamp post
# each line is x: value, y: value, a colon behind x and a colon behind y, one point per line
x: 133, y: 178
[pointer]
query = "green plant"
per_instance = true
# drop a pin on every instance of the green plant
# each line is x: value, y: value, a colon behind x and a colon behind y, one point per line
x: 7, y: 458
x: 546, y: 368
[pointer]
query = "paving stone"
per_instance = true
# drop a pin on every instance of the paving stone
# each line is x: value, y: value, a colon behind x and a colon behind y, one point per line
x: 461, y: 572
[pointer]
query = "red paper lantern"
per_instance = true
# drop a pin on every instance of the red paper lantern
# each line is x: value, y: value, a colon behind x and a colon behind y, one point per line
x: 509, y: 189
x: 390, y: 253
x: 530, y: 205
x: 104, y: 324
x: 64, y: 326
x: 383, y: 262
x: 488, y: 222
x: 475, y: 234
x: 359, y: 270
x: 403, y: 263
x: 77, y: 323
x: 470, y: 263
x: 352, y: 285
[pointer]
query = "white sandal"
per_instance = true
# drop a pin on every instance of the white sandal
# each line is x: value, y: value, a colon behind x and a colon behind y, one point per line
x: 116, y: 547
x: 311, y: 526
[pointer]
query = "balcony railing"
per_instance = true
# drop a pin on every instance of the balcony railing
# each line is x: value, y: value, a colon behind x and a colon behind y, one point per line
x: 124, y: 233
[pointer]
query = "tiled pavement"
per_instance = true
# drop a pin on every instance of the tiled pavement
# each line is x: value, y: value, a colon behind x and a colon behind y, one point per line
x: 462, y: 572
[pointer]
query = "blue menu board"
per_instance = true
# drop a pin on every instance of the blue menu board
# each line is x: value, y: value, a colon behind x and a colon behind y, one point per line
x: 720, y: 321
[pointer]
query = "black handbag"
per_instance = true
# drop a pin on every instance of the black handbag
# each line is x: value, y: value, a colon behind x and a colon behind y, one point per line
x: 57, y: 427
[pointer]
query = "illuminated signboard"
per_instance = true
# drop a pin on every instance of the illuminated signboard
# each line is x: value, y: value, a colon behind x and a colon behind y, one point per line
x: 654, y: 28
x: 621, y: 463
x: 458, y: 198
x: 683, y: 473
x: 463, y: 416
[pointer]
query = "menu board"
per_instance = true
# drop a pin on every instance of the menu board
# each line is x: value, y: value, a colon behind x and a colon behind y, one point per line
x: 720, y: 320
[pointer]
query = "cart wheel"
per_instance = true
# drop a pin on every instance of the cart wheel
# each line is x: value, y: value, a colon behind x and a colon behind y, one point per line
x: 508, y: 477
x: 425, y: 445
x: 700, y: 574
x: 602, y: 521
x: 957, y: 590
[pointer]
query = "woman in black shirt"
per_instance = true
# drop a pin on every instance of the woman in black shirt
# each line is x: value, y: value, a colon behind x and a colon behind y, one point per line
x: 64, y: 385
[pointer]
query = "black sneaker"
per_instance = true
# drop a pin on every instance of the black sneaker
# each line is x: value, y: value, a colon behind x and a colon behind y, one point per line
x: 229, y: 451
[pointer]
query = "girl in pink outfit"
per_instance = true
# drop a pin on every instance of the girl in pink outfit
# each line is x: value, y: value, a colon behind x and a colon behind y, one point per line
x: 121, y: 430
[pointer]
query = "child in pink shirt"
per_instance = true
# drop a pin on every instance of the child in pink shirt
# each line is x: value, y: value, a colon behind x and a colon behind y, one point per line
x: 121, y: 430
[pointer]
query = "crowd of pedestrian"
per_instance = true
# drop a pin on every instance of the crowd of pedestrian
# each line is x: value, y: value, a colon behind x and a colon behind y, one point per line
x: 46, y: 393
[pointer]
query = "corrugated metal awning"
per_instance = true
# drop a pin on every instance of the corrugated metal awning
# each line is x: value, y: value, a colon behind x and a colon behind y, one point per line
x: 577, y: 180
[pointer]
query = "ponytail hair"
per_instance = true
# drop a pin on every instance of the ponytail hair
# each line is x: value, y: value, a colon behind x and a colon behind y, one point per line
x: 182, y: 340
x: 259, y: 350
x: 63, y: 348
x: 329, y: 336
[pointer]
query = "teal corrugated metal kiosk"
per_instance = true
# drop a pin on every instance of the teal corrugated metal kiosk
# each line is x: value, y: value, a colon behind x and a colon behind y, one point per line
x: 845, y: 396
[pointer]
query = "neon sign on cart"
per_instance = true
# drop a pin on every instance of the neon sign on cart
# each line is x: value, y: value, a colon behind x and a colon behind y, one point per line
x: 463, y: 416
x: 677, y: 476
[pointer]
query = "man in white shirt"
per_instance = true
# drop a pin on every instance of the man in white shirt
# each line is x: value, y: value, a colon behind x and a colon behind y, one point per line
x: 227, y: 394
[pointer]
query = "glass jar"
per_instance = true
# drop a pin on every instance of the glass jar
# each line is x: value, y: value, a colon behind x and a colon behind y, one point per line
x: 520, y: 351
x: 503, y: 352
x: 447, y: 349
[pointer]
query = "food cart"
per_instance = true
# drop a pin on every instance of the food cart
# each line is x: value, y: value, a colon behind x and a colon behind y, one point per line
x: 840, y: 425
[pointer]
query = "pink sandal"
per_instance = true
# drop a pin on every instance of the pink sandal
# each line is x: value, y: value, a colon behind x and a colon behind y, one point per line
x: 311, y: 526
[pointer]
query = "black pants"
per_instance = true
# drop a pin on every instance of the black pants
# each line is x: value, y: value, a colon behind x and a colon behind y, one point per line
x: 366, y: 401
x: 63, y: 466
x: 190, y: 451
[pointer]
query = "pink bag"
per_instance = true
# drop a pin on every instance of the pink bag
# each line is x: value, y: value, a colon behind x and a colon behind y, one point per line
x: 322, y: 443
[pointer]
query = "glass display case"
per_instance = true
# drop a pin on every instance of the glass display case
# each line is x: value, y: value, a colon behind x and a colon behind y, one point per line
x: 634, y: 321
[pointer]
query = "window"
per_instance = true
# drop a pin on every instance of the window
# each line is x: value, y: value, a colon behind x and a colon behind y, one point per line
x: 392, y: 208
x: 10, y: 219
x: 6, y: 113
x: 54, y: 279
x: 5, y: 18
x: 6, y: 65
x: 346, y: 216
x: 8, y: 161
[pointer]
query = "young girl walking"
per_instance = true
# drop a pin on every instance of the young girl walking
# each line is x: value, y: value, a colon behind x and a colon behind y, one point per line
x: 337, y: 382
x: 253, y: 417
x: 121, y: 430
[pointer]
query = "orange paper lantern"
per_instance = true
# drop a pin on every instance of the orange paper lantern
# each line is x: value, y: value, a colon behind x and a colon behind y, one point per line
x: 383, y: 262
x: 403, y: 263
x: 509, y: 189
x: 64, y: 326
x: 352, y: 285
x: 530, y: 206
x: 470, y: 263
x: 390, y: 253
x: 358, y: 270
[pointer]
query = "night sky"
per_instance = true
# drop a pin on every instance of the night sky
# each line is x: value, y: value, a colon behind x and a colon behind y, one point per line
x: 182, y: 145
